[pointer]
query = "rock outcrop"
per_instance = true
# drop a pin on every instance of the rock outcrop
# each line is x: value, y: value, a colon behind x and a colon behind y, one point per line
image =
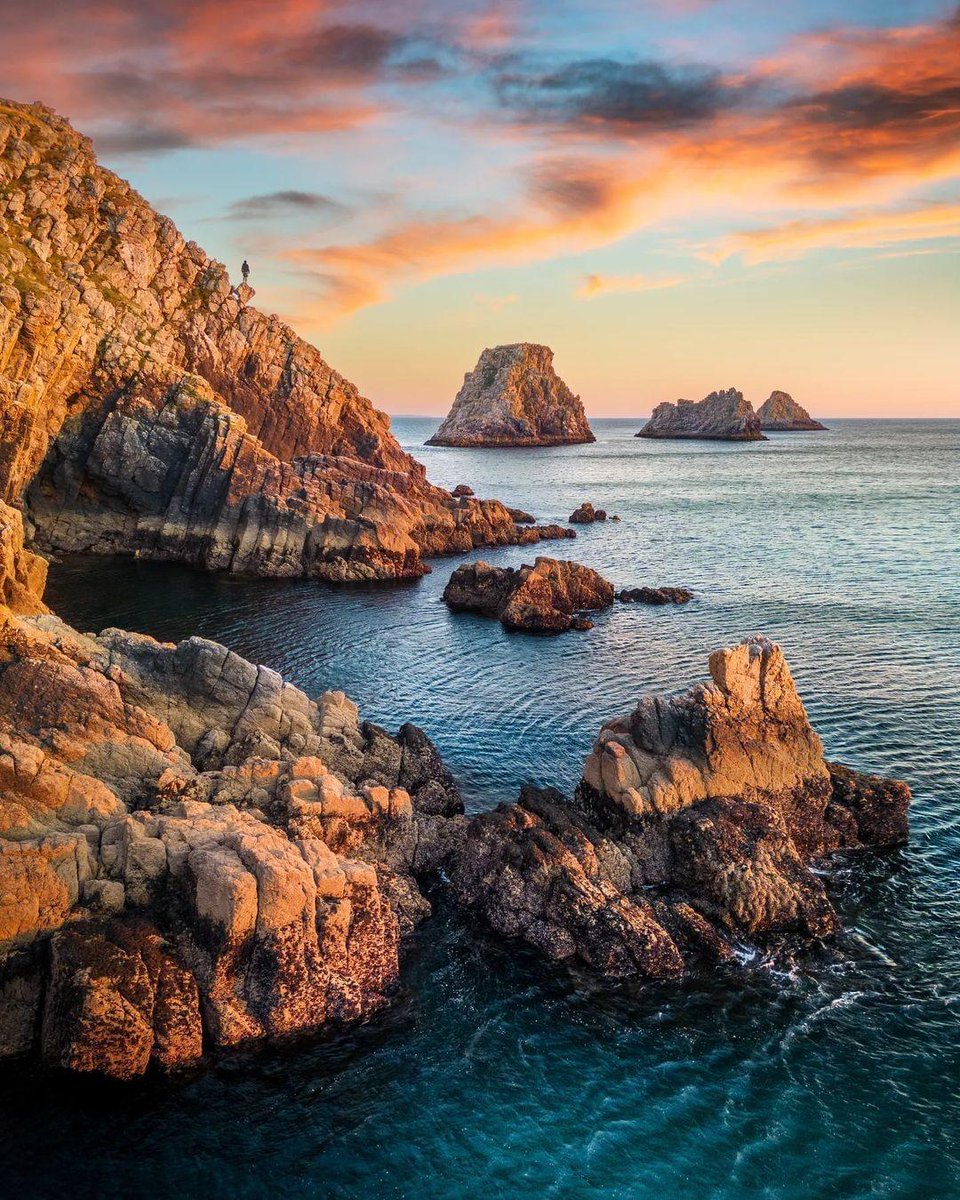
x: 780, y: 413
x: 694, y: 828
x: 657, y: 596
x: 193, y: 853
x: 514, y: 397
x: 146, y: 408
x: 721, y: 416
x: 586, y: 514
x: 549, y: 597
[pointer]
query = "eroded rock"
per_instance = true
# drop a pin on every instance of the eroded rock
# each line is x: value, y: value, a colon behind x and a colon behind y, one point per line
x: 721, y: 416
x: 781, y: 413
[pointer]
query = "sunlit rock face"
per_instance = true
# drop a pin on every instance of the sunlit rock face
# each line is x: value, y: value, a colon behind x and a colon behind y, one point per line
x: 146, y: 407
x: 721, y: 416
x: 780, y: 413
x: 514, y: 397
x: 551, y: 596
x: 193, y: 853
x: 694, y: 827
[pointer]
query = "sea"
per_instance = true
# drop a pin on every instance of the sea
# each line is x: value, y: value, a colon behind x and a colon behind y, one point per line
x: 835, y: 1074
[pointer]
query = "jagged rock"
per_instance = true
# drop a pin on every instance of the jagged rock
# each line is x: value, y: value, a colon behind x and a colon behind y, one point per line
x: 781, y: 413
x: 648, y: 595
x: 721, y: 416
x: 146, y: 408
x: 694, y: 827
x: 586, y: 514
x: 463, y: 490
x: 256, y: 852
x: 514, y: 397
x: 548, y: 597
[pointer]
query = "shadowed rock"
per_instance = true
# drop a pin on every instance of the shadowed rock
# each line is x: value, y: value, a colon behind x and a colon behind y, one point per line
x: 648, y: 595
x: 514, y: 397
x: 721, y: 416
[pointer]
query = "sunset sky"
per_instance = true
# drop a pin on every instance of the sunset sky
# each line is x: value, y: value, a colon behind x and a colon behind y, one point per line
x: 676, y: 195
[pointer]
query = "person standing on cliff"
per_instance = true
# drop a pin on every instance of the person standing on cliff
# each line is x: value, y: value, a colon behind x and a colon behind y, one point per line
x: 245, y: 270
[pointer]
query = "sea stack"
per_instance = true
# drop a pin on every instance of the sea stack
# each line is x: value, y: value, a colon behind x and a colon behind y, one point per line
x: 514, y: 397
x: 780, y: 413
x: 721, y: 416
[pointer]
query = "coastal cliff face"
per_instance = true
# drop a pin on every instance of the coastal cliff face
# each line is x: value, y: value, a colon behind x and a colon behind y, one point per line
x: 721, y: 416
x: 695, y: 825
x: 194, y: 854
x: 514, y: 397
x: 145, y: 407
x: 781, y: 413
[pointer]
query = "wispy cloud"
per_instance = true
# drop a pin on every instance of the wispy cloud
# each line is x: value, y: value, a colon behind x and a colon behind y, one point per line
x: 599, y: 285
x: 289, y: 202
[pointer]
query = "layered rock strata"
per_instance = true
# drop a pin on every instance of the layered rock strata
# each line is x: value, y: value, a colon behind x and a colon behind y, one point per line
x: 694, y: 828
x: 780, y: 413
x: 514, y: 397
x: 721, y: 416
x: 549, y: 597
x: 146, y: 408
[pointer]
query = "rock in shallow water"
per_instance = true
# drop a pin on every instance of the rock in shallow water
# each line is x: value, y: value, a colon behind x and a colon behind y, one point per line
x: 648, y: 595
x: 695, y: 825
x: 549, y: 597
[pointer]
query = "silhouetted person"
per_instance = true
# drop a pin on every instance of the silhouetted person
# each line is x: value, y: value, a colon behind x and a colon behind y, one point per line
x: 245, y: 270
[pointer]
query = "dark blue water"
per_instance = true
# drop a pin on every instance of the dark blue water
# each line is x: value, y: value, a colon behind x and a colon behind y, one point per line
x: 490, y: 1077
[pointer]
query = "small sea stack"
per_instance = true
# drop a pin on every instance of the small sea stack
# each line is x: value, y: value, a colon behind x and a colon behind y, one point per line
x: 514, y: 397
x: 549, y: 597
x: 722, y: 416
x: 780, y: 413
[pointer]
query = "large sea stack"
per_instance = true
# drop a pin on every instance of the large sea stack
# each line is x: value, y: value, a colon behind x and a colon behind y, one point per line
x: 146, y: 408
x: 780, y: 413
x: 514, y: 397
x: 721, y: 416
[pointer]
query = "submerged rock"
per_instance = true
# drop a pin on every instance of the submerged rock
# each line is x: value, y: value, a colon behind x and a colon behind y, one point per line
x: 514, y: 397
x: 549, y: 597
x: 695, y: 825
x: 648, y: 595
x: 721, y: 416
x: 781, y: 413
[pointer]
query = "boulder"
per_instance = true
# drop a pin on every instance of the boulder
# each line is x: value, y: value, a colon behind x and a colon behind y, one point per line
x: 514, y: 397
x: 781, y: 413
x: 586, y: 514
x: 721, y: 416
x: 549, y: 597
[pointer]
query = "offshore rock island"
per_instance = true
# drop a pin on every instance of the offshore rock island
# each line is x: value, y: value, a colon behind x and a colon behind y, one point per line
x: 780, y: 413
x: 147, y: 409
x: 194, y: 853
x: 514, y: 397
x: 721, y: 416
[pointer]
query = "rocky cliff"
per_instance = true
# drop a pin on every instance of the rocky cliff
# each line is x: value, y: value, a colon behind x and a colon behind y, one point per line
x: 514, y: 397
x: 781, y: 413
x: 146, y: 407
x: 721, y: 416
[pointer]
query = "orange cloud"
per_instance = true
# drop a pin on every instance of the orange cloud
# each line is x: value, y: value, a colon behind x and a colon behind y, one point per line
x: 858, y: 231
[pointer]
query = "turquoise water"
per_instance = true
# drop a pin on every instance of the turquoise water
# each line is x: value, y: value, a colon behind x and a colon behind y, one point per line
x: 834, y: 1076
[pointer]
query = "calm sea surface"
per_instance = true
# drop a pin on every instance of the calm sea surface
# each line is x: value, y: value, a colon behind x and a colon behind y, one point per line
x: 491, y: 1076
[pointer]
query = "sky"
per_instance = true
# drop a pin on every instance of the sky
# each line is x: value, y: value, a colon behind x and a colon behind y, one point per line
x: 675, y: 195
